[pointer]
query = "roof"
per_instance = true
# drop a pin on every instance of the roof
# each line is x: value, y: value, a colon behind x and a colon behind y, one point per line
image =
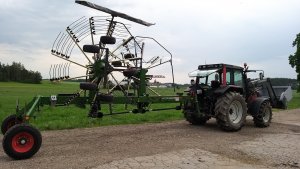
x: 218, y: 66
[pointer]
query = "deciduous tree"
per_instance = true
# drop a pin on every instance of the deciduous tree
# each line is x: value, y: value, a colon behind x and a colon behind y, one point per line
x: 295, y: 59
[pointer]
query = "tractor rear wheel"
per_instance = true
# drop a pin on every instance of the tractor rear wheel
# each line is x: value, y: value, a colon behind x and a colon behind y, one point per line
x: 9, y: 122
x: 22, y: 141
x: 231, y: 111
x: 193, y: 119
x: 264, y: 117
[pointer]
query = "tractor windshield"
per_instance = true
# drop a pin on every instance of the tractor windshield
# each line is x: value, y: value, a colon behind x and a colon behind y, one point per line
x: 205, y: 77
x: 202, y: 73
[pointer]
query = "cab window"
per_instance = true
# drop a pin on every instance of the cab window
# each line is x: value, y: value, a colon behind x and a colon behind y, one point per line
x: 238, y: 78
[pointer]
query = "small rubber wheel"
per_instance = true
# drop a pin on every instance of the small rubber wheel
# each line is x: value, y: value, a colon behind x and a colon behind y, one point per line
x: 130, y: 72
x: 9, y: 122
x: 107, y: 40
x: 91, y: 48
x: 22, y: 141
x: 88, y: 86
x: 117, y: 63
x: 129, y: 56
x: 105, y: 97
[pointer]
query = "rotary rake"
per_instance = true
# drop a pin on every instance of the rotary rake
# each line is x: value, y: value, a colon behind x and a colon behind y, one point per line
x: 116, y: 67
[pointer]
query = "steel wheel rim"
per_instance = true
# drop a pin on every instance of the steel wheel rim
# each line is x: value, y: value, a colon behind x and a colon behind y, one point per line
x: 22, y: 142
x: 235, y: 112
x: 266, y: 115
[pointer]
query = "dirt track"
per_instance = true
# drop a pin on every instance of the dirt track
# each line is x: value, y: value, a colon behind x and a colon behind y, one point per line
x: 170, y: 145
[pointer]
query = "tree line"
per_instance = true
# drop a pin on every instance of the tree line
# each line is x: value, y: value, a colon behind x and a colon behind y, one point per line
x: 285, y: 82
x: 17, y: 73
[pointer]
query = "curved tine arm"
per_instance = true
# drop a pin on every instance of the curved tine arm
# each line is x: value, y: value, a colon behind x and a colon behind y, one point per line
x: 79, y: 48
x: 64, y: 71
x: 70, y: 61
x: 60, y: 71
x: 68, y: 48
x: 64, y: 45
x: 55, y: 42
x: 76, y: 21
x: 54, y: 72
x: 50, y: 72
x: 79, y: 29
x: 58, y: 43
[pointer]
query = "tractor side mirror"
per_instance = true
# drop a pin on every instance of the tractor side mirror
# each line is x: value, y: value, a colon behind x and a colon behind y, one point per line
x: 91, y: 48
x: 107, y: 40
x: 261, y: 76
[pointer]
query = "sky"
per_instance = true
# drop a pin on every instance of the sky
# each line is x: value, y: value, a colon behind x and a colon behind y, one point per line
x: 258, y: 32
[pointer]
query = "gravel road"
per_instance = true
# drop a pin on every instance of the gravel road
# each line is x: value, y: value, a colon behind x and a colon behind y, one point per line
x: 169, y: 145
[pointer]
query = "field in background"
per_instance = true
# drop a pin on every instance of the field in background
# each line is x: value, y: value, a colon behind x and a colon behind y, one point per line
x: 73, y: 117
x: 295, y: 102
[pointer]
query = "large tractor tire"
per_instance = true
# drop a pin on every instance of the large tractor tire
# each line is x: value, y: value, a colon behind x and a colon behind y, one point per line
x: 231, y: 111
x: 264, y: 116
x: 193, y: 119
x: 22, y: 141
x: 9, y: 122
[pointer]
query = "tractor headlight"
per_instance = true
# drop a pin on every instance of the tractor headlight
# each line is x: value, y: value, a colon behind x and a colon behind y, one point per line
x: 199, y: 91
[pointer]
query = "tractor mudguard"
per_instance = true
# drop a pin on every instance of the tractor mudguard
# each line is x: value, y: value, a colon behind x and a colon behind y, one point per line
x: 253, y: 107
x: 221, y: 90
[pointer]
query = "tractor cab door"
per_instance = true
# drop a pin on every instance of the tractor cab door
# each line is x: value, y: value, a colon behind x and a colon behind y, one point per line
x: 234, y: 79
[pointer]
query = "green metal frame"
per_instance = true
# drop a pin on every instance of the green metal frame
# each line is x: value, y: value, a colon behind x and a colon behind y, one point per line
x: 34, y: 105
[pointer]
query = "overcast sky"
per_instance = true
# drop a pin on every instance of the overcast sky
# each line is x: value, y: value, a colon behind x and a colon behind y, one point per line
x: 259, y: 32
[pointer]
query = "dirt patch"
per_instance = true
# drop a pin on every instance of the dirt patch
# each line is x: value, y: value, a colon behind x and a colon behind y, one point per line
x: 95, y: 147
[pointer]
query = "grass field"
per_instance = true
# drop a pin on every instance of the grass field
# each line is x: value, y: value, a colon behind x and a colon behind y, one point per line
x: 295, y: 102
x: 72, y: 117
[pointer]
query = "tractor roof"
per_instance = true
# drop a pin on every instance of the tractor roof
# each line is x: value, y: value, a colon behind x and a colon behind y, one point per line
x: 218, y: 66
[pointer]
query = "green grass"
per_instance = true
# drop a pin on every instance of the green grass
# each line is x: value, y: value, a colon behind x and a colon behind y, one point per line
x: 295, y: 102
x: 50, y: 118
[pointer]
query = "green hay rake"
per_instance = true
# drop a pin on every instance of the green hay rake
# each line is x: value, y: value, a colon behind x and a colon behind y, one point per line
x: 117, y: 71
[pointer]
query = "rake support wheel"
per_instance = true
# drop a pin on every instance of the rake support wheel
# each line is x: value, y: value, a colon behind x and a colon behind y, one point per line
x: 105, y: 97
x: 88, y: 86
x: 107, y: 40
x: 9, y: 122
x: 22, y: 141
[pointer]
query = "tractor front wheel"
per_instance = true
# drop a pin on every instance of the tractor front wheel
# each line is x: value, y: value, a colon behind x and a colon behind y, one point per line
x: 193, y: 119
x: 9, y: 122
x: 21, y: 141
x: 264, y: 116
x: 231, y: 111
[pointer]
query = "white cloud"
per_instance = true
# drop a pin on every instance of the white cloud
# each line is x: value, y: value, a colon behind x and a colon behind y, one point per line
x: 196, y: 32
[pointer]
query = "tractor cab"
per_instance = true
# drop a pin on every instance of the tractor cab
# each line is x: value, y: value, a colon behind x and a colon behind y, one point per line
x: 218, y: 78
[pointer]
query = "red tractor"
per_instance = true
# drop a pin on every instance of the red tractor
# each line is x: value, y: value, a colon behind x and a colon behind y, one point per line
x: 224, y: 92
